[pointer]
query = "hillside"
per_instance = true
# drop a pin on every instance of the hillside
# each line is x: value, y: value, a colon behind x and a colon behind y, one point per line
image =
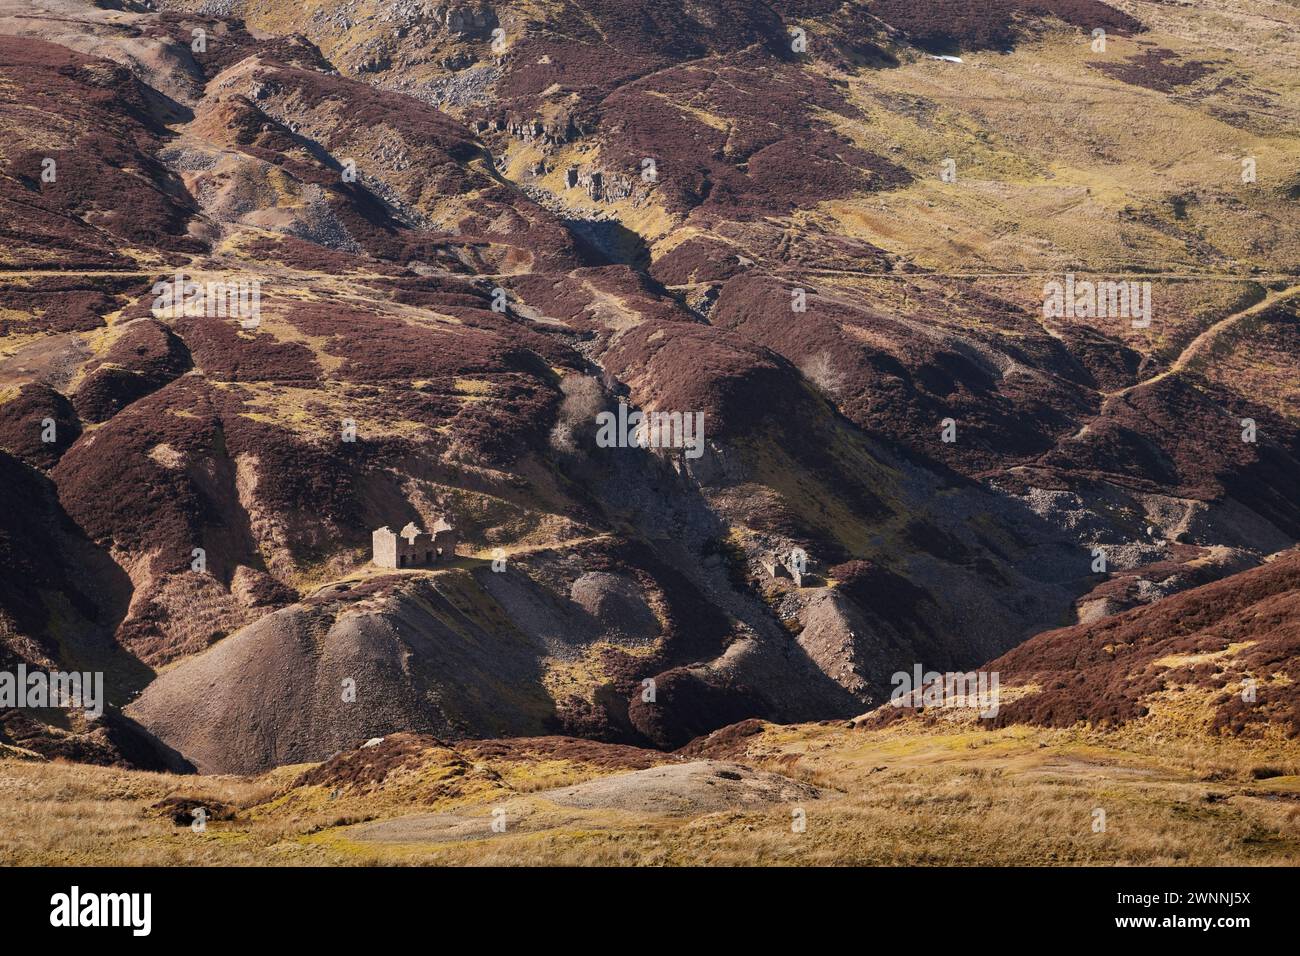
x: 1230, y: 647
x: 827, y: 228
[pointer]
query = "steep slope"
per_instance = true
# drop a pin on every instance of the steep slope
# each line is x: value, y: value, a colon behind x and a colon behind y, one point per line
x: 1223, y: 656
x: 95, y: 184
x: 306, y: 682
x: 465, y: 245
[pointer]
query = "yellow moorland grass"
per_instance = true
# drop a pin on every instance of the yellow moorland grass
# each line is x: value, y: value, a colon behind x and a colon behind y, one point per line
x: 1058, y: 162
x: 916, y: 793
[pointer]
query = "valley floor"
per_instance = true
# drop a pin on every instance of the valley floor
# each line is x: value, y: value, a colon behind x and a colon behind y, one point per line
x: 908, y: 794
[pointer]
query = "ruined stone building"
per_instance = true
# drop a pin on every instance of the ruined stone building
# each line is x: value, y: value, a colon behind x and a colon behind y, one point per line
x: 413, y: 548
x: 793, y: 567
